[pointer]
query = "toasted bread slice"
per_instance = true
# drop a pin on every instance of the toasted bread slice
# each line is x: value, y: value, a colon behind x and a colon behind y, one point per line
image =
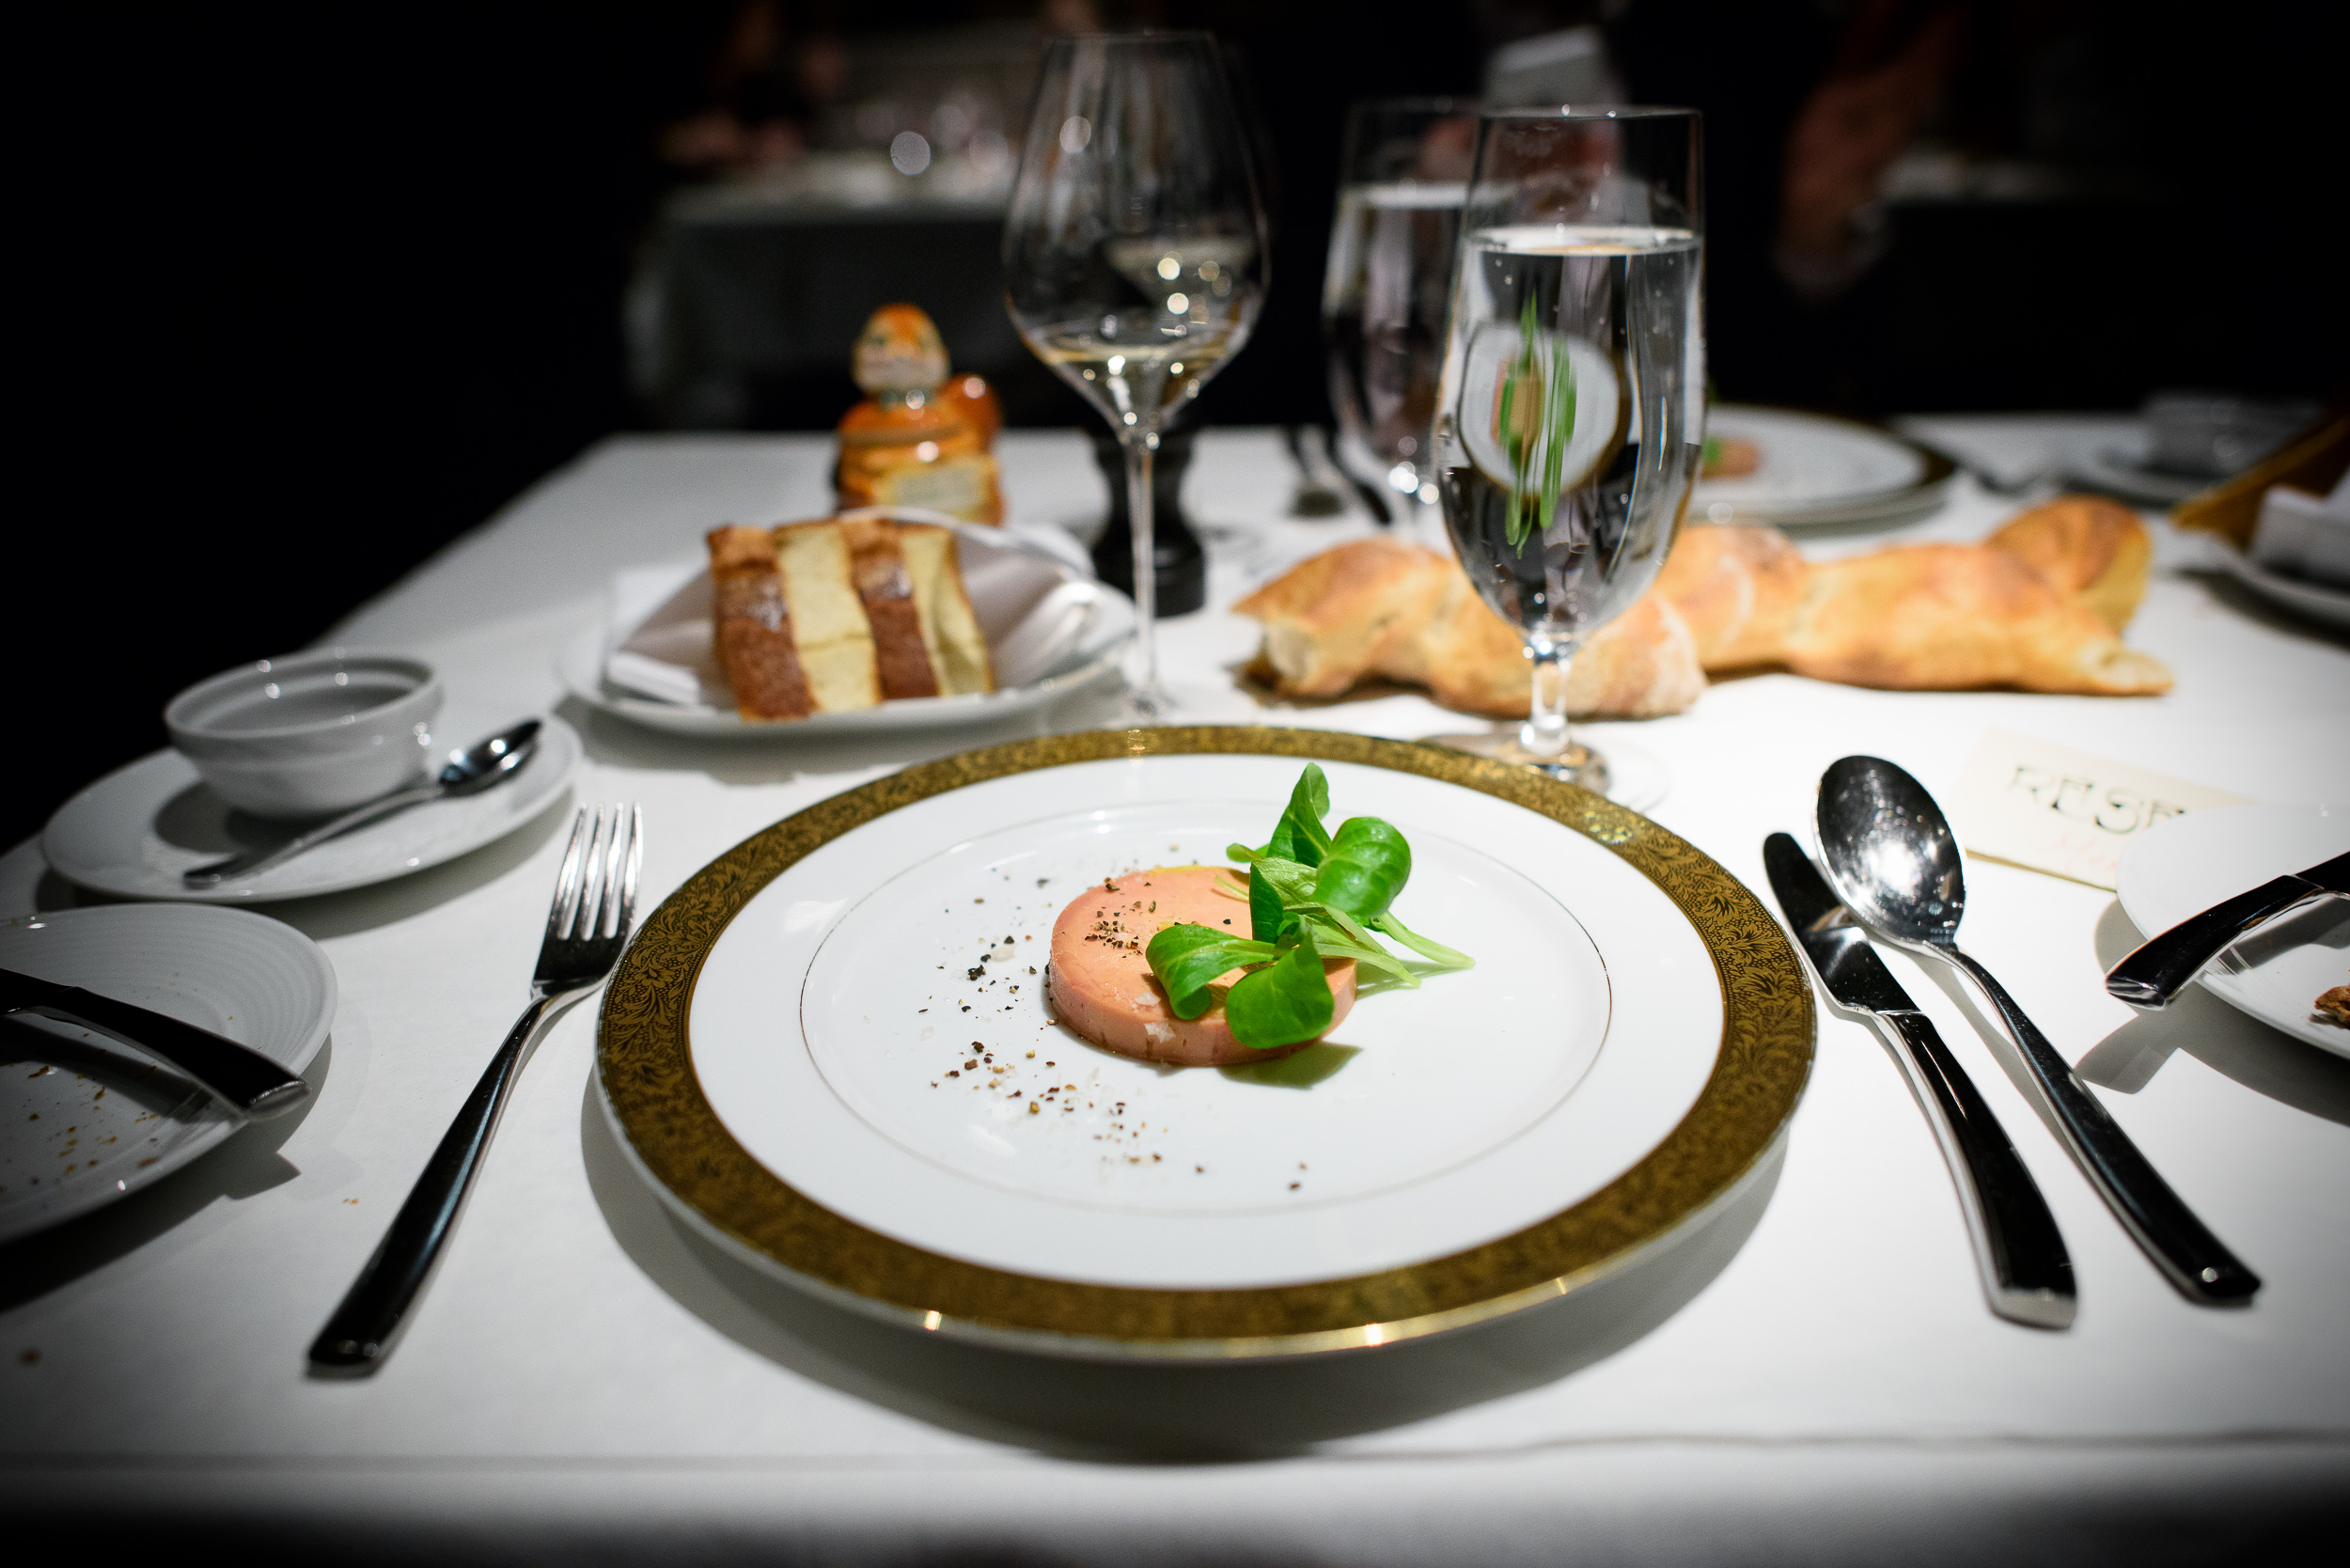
x: 754, y: 626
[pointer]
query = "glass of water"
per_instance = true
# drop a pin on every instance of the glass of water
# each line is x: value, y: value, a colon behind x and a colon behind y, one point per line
x: 1571, y: 405
x: 1402, y: 178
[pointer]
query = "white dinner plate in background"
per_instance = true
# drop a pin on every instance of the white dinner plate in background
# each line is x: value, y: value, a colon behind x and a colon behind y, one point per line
x: 2192, y: 862
x: 133, y: 832
x: 1819, y: 470
x: 84, y: 1119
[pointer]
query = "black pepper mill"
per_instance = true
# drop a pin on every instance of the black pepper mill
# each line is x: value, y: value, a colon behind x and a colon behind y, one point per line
x: 1181, y: 574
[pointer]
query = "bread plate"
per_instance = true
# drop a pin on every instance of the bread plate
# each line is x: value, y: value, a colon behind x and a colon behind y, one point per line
x: 785, y: 1054
x: 1049, y: 625
x: 1817, y: 470
x: 2201, y: 858
x: 89, y: 1119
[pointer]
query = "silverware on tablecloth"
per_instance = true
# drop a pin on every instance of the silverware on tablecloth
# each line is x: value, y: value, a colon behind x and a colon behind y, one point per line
x: 587, y: 925
x: 237, y: 1076
x: 1890, y: 854
x: 485, y: 764
x: 2026, y: 1273
x: 2159, y: 969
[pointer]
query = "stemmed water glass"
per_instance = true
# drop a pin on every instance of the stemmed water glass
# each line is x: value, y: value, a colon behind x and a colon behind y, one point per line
x: 1135, y: 251
x: 1573, y: 402
x: 1402, y: 178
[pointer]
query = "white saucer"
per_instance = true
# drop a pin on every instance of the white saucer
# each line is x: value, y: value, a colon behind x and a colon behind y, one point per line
x: 135, y: 831
x: 2200, y: 859
x: 2319, y: 601
x: 87, y: 1119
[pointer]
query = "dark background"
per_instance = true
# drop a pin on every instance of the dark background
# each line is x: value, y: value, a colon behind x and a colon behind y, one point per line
x: 306, y: 296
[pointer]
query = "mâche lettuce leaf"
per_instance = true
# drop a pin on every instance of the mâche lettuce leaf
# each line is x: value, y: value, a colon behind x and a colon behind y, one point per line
x: 1312, y: 894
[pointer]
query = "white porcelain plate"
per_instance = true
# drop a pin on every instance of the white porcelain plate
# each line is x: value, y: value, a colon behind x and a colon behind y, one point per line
x: 864, y: 1027
x: 2204, y: 858
x: 84, y: 1118
x: 2320, y: 602
x: 1819, y: 470
x: 135, y: 831
x: 1049, y: 625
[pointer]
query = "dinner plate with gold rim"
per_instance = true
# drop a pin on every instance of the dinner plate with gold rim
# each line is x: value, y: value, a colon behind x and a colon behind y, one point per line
x: 1815, y: 470
x: 830, y: 1052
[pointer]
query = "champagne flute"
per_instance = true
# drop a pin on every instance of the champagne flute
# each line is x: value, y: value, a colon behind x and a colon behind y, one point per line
x: 1134, y: 252
x: 1402, y: 178
x: 1573, y: 402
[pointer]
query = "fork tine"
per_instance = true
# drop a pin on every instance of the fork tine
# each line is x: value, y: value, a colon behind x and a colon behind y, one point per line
x: 608, y: 909
x: 566, y: 880
x: 628, y: 880
x: 591, y: 877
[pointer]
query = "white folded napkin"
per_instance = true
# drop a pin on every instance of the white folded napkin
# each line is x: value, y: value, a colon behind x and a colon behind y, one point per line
x: 1035, y: 614
x: 2304, y: 535
x: 664, y: 646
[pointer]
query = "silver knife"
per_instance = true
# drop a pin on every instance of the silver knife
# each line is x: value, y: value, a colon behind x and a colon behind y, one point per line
x: 235, y: 1075
x: 2026, y: 1273
x: 2159, y: 970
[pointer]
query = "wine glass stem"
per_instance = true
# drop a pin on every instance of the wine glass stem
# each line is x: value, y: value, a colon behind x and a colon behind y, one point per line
x: 1544, y: 731
x: 1141, y: 448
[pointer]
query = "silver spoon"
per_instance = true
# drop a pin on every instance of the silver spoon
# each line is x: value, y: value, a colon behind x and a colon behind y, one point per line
x: 482, y: 765
x: 1892, y: 856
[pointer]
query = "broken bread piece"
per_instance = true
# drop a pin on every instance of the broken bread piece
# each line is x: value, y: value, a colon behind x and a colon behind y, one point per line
x: 840, y: 614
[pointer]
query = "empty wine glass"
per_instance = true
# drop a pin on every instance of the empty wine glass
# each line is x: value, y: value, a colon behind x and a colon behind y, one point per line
x: 1573, y: 403
x: 1402, y: 178
x: 1135, y: 251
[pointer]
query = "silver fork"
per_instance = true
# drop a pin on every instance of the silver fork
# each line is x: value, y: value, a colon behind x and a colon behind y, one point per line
x: 595, y: 903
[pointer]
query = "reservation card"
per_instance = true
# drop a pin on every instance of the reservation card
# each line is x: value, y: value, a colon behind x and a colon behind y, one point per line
x: 2052, y: 809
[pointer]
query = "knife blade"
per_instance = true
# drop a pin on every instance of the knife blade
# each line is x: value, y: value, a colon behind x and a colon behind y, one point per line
x: 235, y: 1075
x: 2020, y: 1255
x: 2153, y: 974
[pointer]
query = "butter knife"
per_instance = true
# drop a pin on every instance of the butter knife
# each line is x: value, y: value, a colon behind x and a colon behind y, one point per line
x: 238, y: 1075
x: 2026, y: 1273
x: 2158, y: 970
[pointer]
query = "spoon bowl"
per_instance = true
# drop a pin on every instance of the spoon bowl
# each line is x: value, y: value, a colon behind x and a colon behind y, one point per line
x: 1890, y: 855
x: 1890, y: 852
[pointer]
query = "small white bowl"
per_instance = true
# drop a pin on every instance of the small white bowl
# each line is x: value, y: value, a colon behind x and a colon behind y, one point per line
x: 311, y: 733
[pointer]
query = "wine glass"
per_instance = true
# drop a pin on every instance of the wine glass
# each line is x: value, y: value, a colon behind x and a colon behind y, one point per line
x: 1402, y: 178
x: 1135, y: 251
x: 1573, y: 401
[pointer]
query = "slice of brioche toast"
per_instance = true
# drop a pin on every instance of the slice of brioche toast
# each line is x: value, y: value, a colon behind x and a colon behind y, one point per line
x: 841, y: 614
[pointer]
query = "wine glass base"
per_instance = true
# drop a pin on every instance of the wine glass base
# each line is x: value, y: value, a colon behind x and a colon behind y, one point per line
x: 1624, y: 774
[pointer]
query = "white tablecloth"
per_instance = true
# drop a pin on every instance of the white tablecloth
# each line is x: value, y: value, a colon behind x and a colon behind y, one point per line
x: 583, y: 1378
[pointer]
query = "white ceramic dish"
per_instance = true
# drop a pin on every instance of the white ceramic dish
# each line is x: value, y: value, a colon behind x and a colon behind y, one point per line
x: 1817, y: 470
x: 1008, y: 572
x: 2197, y: 860
x: 84, y: 1118
x: 309, y: 734
x: 2319, y: 601
x: 135, y: 831
x: 848, y: 1036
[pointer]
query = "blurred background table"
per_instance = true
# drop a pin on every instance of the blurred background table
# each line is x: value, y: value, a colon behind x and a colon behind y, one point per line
x: 585, y: 1378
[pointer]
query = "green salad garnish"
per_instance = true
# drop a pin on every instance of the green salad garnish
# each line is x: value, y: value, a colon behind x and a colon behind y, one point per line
x: 1312, y: 894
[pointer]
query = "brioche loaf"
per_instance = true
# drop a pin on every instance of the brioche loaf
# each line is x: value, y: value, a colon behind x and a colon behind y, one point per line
x: 830, y: 616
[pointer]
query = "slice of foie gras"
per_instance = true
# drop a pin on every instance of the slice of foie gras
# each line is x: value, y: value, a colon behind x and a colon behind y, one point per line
x: 1102, y: 985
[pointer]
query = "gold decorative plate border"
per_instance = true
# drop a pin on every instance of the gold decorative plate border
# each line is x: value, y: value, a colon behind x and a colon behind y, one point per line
x: 644, y: 1063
